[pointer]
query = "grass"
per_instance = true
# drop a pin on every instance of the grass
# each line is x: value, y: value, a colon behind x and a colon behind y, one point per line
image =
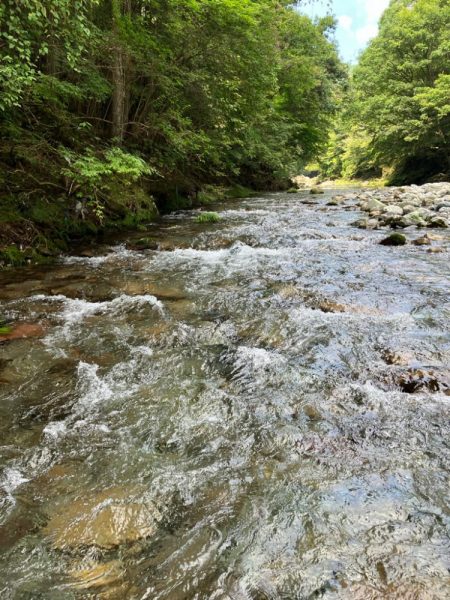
x: 208, y: 217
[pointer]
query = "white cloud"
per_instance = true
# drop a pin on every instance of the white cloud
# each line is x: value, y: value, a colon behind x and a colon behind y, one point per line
x: 374, y: 9
x: 366, y: 33
x: 345, y: 22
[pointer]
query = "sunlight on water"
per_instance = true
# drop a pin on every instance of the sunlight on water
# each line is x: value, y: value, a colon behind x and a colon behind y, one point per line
x: 258, y: 410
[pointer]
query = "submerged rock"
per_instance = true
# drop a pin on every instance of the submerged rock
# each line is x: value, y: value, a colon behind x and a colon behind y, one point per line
x: 395, y: 239
x: 22, y: 331
x: 106, y: 519
x: 92, y: 575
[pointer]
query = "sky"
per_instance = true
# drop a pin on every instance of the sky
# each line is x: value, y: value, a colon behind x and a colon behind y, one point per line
x: 357, y: 22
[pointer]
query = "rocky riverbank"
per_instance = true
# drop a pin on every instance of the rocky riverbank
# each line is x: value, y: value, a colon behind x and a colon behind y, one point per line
x: 406, y: 207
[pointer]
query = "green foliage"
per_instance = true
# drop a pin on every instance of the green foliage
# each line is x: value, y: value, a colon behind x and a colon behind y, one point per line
x: 180, y: 95
x: 402, y: 88
x: 208, y: 217
x: 32, y: 32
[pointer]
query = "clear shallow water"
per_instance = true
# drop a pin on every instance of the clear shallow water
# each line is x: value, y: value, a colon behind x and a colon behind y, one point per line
x: 225, y: 418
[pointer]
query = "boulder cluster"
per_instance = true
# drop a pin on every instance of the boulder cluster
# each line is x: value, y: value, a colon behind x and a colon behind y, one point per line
x: 410, y: 206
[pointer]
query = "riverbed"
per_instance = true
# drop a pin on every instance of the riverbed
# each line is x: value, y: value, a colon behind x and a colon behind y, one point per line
x: 252, y: 409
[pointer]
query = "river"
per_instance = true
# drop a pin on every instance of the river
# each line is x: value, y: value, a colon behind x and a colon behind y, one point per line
x: 229, y: 417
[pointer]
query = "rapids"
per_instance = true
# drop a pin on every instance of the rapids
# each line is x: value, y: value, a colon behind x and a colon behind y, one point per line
x: 227, y: 417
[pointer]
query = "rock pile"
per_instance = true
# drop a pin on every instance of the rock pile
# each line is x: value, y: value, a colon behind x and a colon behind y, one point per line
x: 410, y: 206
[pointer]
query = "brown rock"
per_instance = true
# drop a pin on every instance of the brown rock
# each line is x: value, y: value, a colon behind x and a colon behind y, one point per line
x: 328, y: 306
x: 106, y: 519
x: 23, y: 330
x: 418, y: 380
x: 423, y: 241
x: 92, y: 575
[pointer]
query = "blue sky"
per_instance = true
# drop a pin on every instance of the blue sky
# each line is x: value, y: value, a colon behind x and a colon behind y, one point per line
x: 357, y: 22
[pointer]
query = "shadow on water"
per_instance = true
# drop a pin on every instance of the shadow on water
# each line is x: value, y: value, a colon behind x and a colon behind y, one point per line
x: 256, y: 409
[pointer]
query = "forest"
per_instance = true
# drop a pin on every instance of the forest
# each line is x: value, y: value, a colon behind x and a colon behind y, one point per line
x: 112, y: 110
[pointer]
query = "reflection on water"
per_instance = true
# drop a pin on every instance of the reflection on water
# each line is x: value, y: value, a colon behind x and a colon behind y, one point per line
x: 259, y: 410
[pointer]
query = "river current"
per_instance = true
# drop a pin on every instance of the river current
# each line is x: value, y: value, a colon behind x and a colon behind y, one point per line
x: 228, y: 417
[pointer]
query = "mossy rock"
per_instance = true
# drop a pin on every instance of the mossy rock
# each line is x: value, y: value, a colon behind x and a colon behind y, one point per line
x: 316, y: 191
x: 145, y: 243
x: 293, y: 190
x: 395, y: 239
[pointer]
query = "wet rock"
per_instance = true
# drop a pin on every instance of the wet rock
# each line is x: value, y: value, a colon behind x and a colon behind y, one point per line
x: 395, y: 239
x: 140, y: 287
x: 316, y: 190
x: 107, y: 519
x: 423, y: 241
x: 23, y: 331
x: 416, y: 380
x: 438, y: 221
x: 328, y: 306
x: 312, y: 412
x: 391, y: 357
x: 145, y: 243
x: 288, y: 292
x: 435, y: 250
x: 90, y: 575
x: 361, y: 223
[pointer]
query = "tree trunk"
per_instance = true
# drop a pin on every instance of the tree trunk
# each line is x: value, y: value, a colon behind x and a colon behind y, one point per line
x: 119, y: 94
x: 120, y: 75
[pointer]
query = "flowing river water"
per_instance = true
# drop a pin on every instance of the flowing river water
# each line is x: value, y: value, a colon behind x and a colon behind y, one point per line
x: 229, y: 417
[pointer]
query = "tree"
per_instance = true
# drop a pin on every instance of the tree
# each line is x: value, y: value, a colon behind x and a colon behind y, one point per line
x: 402, y: 89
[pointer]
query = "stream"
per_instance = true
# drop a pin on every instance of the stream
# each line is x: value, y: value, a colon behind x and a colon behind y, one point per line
x: 257, y: 410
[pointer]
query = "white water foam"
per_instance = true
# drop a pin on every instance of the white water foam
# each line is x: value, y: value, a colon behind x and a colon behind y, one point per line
x: 120, y: 252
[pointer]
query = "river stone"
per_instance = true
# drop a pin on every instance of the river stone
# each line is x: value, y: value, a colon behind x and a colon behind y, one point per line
x: 394, y: 210
x: 414, y: 218
x: 422, y: 241
x: 374, y: 204
x: 395, y: 239
x: 438, y: 221
x: 316, y: 190
x: 372, y: 224
x: 105, y: 520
